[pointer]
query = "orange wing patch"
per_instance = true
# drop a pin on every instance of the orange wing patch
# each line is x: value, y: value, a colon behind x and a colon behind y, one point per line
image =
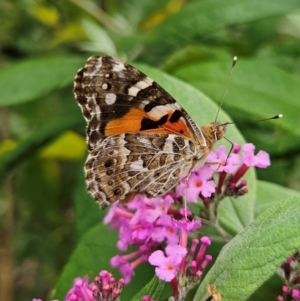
x: 130, y: 122
x: 178, y: 127
x: 137, y: 120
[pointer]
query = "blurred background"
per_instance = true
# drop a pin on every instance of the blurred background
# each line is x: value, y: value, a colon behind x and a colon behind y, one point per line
x: 42, y: 143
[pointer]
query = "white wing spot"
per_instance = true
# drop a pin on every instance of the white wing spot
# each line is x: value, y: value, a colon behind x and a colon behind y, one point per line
x: 97, y: 66
x: 118, y: 66
x: 177, y: 105
x: 162, y: 110
x: 143, y: 84
x: 110, y: 98
x: 137, y: 166
x: 104, y: 86
x: 93, y: 100
x: 133, y: 91
x: 98, y: 112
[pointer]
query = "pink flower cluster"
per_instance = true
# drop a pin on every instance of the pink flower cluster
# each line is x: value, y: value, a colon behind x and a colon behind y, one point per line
x: 287, y: 291
x: 103, y: 288
x: 149, y: 225
x: 160, y: 230
x: 201, y: 182
x: 291, y: 276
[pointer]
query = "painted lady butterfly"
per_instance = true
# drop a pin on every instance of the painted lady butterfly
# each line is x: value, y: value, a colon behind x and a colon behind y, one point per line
x: 140, y: 139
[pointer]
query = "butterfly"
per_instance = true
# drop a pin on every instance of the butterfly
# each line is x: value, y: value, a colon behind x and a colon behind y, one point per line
x: 140, y: 140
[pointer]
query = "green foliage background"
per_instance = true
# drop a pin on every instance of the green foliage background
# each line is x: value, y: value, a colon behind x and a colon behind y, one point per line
x: 50, y: 228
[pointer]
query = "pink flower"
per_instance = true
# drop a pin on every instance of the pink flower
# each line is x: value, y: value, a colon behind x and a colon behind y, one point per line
x: 236, y: 148
x: 198, y: 182
x: 223, y: 161
x: 187, y: 226
x: 295, y: 293
x: 167, y: 266
x: 165, y: 230
x: 157, y: 207
x: 261, y: 159
x: 126, y: 268
x: 147, y: 298
x: 80, y: 291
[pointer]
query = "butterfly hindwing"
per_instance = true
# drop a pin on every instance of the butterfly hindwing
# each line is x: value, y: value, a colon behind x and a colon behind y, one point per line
x: 127, y: 164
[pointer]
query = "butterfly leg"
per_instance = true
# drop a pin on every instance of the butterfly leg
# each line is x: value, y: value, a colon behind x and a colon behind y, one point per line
x: 214, y: 163
x: 185, y: 194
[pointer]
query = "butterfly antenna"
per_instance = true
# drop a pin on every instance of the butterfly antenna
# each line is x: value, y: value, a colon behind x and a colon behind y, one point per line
x: 255, y: 121
x: 234, y: 60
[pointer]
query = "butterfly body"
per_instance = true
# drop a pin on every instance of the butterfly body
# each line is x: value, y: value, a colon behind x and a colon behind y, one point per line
x: 139, y: 138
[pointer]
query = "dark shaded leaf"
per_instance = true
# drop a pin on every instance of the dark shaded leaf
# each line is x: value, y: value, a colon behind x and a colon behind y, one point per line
x: 154, y: 289
x: 31, y: 79
x: 38, y: 140
x: 269, y: 194
x: 200, y: 18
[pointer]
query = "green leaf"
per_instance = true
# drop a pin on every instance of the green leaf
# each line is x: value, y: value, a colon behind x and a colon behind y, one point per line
x: 270, y: 290
x: 257, y: 88
x: 88, y: 212
x: 236, y: 214
x: 191, y: 54
x: 31, y: 79
x: 154, y: 289
x: 253, y: 255
x: 199, y: 18
x: 269, y: 194
x: 90, y: 256
x: 99, y: 40
x: 38, y: 140
x: 142, y: 9
x: 69, y: 146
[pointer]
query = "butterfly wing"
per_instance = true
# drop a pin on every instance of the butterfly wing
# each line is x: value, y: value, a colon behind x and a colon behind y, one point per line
x: 116, y: 98
x: 126, y: 164
x: 140, y: 139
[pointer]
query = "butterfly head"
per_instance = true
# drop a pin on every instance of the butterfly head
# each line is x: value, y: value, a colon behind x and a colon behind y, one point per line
x: 218, y: 130
x: 213, y: 132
